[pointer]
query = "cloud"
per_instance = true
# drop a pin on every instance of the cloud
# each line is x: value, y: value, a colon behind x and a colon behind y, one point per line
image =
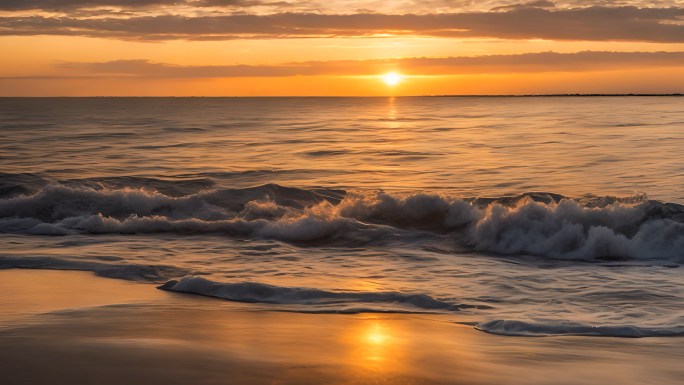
x: 492, y: 64
x: 69, y: 5
x: 83, y: 9
x: 334, y: 6
x: 531, y: 4
x: 144, y: 68
x: 53, y: 5
x: 589, y: 24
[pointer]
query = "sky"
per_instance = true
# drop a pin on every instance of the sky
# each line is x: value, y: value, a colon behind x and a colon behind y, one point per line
x: 339, y: 47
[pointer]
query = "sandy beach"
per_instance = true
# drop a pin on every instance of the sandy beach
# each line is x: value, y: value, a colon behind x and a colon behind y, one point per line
x: 69, y: 327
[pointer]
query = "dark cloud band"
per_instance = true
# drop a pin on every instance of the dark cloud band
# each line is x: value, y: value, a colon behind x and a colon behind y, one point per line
x: 590, y: 24
x: 53, y: 5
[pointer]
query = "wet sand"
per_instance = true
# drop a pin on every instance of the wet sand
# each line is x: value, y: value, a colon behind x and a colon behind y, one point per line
x: 67, y: 327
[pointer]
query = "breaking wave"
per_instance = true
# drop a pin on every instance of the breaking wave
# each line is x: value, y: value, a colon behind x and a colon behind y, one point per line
x: 527, y: 329
x: 131, y: 272
x: 316, y: 300
x: 539, y: 224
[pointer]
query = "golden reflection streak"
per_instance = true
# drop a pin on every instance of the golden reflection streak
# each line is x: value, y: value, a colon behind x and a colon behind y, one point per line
x: 376, y: 347
x: 392, y: 109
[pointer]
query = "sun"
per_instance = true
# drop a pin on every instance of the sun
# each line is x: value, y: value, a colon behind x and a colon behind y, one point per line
x: 392, y: 78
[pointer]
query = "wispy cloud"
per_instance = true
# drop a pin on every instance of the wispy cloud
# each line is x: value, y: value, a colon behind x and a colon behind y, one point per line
x: 493, y: 64
x: 335, y: 6
x: 52, y: 5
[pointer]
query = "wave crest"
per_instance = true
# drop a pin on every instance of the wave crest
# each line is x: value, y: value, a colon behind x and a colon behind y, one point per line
x: 316, y: 300
x: 527, y: 329
x: 536, y: 223
x: 132, y: 272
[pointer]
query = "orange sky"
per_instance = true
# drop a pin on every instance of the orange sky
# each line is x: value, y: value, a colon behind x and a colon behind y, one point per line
x: 340, y: 47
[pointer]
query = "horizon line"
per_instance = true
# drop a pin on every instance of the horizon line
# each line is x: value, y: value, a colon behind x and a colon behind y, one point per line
x: 365, y: 96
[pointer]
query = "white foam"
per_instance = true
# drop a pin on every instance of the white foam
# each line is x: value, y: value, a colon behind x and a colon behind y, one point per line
x: 537, y: 224
x: 314, y: 299
x: 131, y: 272
x: 527, y: 329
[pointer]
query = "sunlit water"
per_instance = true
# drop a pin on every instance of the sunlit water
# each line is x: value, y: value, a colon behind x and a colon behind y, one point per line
x: 557, y: 215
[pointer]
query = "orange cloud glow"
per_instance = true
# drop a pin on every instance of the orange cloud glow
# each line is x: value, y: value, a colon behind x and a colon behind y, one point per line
x: 254, y: 47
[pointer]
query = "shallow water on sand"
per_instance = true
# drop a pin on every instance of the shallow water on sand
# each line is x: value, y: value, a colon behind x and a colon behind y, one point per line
x: 524, y: 216
x: 149, y: 336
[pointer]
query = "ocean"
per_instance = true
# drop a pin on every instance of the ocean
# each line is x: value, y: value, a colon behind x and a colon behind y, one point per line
x: 521, y: 216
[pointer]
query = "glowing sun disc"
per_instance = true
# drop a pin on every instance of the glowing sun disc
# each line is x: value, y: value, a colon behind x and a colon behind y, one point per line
x: 392, y: 78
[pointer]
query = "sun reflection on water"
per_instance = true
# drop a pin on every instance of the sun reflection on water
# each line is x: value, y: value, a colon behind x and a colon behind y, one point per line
x: 377, y: 340
x: 376, y: 336
x: 376, y: 346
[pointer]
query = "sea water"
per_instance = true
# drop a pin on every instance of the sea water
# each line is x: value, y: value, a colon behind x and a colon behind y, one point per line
x: 518, y: 215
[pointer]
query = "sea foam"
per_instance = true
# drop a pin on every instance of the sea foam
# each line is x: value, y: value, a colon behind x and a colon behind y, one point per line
x: 529, y: 329
x: 540, y: 224
x: 315, y: 300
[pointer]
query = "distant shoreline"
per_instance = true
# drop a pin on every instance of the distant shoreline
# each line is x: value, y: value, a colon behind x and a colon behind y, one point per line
x: 553, y: 95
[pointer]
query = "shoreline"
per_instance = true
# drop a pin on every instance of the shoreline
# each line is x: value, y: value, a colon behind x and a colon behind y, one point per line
x: 79, y: 328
